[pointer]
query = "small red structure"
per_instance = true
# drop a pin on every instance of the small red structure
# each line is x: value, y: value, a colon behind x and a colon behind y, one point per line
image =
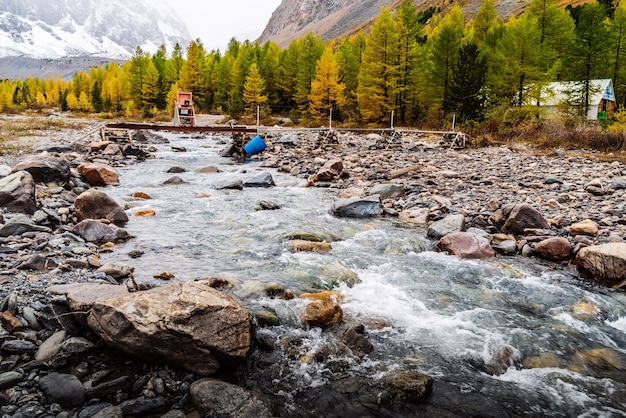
x: 184, y: 113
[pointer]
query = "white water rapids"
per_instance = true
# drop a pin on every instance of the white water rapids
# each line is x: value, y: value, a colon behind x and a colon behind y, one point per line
x: 464, y: 322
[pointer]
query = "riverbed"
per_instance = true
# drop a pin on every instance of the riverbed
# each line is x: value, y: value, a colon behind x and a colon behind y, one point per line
x: 509, y: 335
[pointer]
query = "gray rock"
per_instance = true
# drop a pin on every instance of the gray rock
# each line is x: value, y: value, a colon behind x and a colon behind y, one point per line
x: 447, y: 225
x: 260, y: 180
x: 17, y: 193
x: 64, y: 389
x: 8, y: 379
x: 51, y: 346
x: 19, y: 224
x: 227, y: 400
x: 46, y: 170
x: 358, y: 208
x: 98, y: 232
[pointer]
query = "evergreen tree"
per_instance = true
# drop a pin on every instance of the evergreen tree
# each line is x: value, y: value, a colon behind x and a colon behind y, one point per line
x: 587, y: 57
x: 557, y: 29
x: 521, y: 70
x: 349, y: 57
x: 311, y: 48
x: 137, y: 73
x: 150, y: 91
x: 96, y: 97
x: 442, y: 49
x: 177, y: 61
x: 326, y: 90
x: 159, y: 60
x: 468, y: 81
x: 618, y: 73
x: 409, y: 32
x: 191, y: 79
x: 376, y: 93
x: 253, y: 89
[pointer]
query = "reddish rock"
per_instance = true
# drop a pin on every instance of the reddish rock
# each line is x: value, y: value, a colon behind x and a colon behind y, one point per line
x: 554, y: 249
x: 99, y: 174
x: 465, y: 245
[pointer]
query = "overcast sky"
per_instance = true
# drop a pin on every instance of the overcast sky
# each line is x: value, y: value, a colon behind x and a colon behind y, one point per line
x: 216, y: 22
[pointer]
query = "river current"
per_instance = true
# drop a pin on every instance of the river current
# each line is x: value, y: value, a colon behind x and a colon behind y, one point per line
x: 514, y: 333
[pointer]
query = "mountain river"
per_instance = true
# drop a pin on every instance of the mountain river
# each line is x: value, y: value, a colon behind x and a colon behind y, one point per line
x: 509, y: 336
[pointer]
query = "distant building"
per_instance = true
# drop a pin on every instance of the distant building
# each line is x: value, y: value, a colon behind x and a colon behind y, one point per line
x: 601, y: 101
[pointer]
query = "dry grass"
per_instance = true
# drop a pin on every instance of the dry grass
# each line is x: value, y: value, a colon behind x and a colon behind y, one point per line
x: 13, y: 129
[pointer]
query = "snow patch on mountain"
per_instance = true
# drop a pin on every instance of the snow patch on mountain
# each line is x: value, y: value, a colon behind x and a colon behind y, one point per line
x: 49, y: 29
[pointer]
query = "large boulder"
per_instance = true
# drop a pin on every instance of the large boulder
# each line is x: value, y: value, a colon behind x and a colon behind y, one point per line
x: 99, y: 174
x: 466, y: 245
x: 188, y: 325
x: 17, y: 193
x: 224, y: 399
x: 604, y: 263
x: 520, y: 217
x: 94, y: 204
x: 46, y: 171
x: 357, y: 207
x: 99, y: 232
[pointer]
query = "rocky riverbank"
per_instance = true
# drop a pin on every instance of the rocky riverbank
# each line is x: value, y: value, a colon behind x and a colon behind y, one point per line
x: 63, y: 309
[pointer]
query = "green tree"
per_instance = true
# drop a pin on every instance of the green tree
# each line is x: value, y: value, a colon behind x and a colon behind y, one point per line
x: 137, y: 74
x: 96, y: 97
x: 442, y: 49
x: 587, y: 54
x: 556, y: 29
x: 311, y: 48
x: 618, y: 73
x: 468, y: 81
x: 521, y: 72
x: 409, y: 32
x: 191, y: 79
x: 349, y: 58
x: 376, y: 93
x: 150, y: 91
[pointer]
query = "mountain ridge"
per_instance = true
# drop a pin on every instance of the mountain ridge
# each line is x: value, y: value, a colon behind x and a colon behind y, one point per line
x: 332, y: 19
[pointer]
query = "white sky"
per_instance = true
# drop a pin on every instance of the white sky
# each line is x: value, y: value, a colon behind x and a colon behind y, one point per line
x: 216, y: 22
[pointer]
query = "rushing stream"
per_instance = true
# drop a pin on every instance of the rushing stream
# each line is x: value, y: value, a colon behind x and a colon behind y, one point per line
x: 507, y: 335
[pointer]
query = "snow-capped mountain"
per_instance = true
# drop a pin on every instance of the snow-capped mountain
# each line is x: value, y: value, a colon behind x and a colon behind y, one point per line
x: 71, y: 28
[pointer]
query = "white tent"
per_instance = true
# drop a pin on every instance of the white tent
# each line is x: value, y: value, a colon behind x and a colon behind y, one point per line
x: 601, y: 102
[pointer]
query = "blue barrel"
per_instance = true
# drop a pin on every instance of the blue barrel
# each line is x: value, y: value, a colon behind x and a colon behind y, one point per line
x: 254, y: 146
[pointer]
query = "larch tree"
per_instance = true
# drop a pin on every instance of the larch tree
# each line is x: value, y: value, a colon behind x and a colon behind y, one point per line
x: 521, y: 70
x: 254, y: 89
x: 191, y: 79
x: 556, y: 29
x: 376, y: 93
x: 587, y: 54
x: 409, y: 32
x: 150, y: 91
x: 442, y: 50
x: 311, y: 48
x: 349, y: 57
x: 326, y: 89
x: 618, y: 70
x: 136, y: 75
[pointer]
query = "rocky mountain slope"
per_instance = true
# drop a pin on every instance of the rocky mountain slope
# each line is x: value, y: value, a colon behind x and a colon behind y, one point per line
x: 49, y: 29
x: 333, y: 18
